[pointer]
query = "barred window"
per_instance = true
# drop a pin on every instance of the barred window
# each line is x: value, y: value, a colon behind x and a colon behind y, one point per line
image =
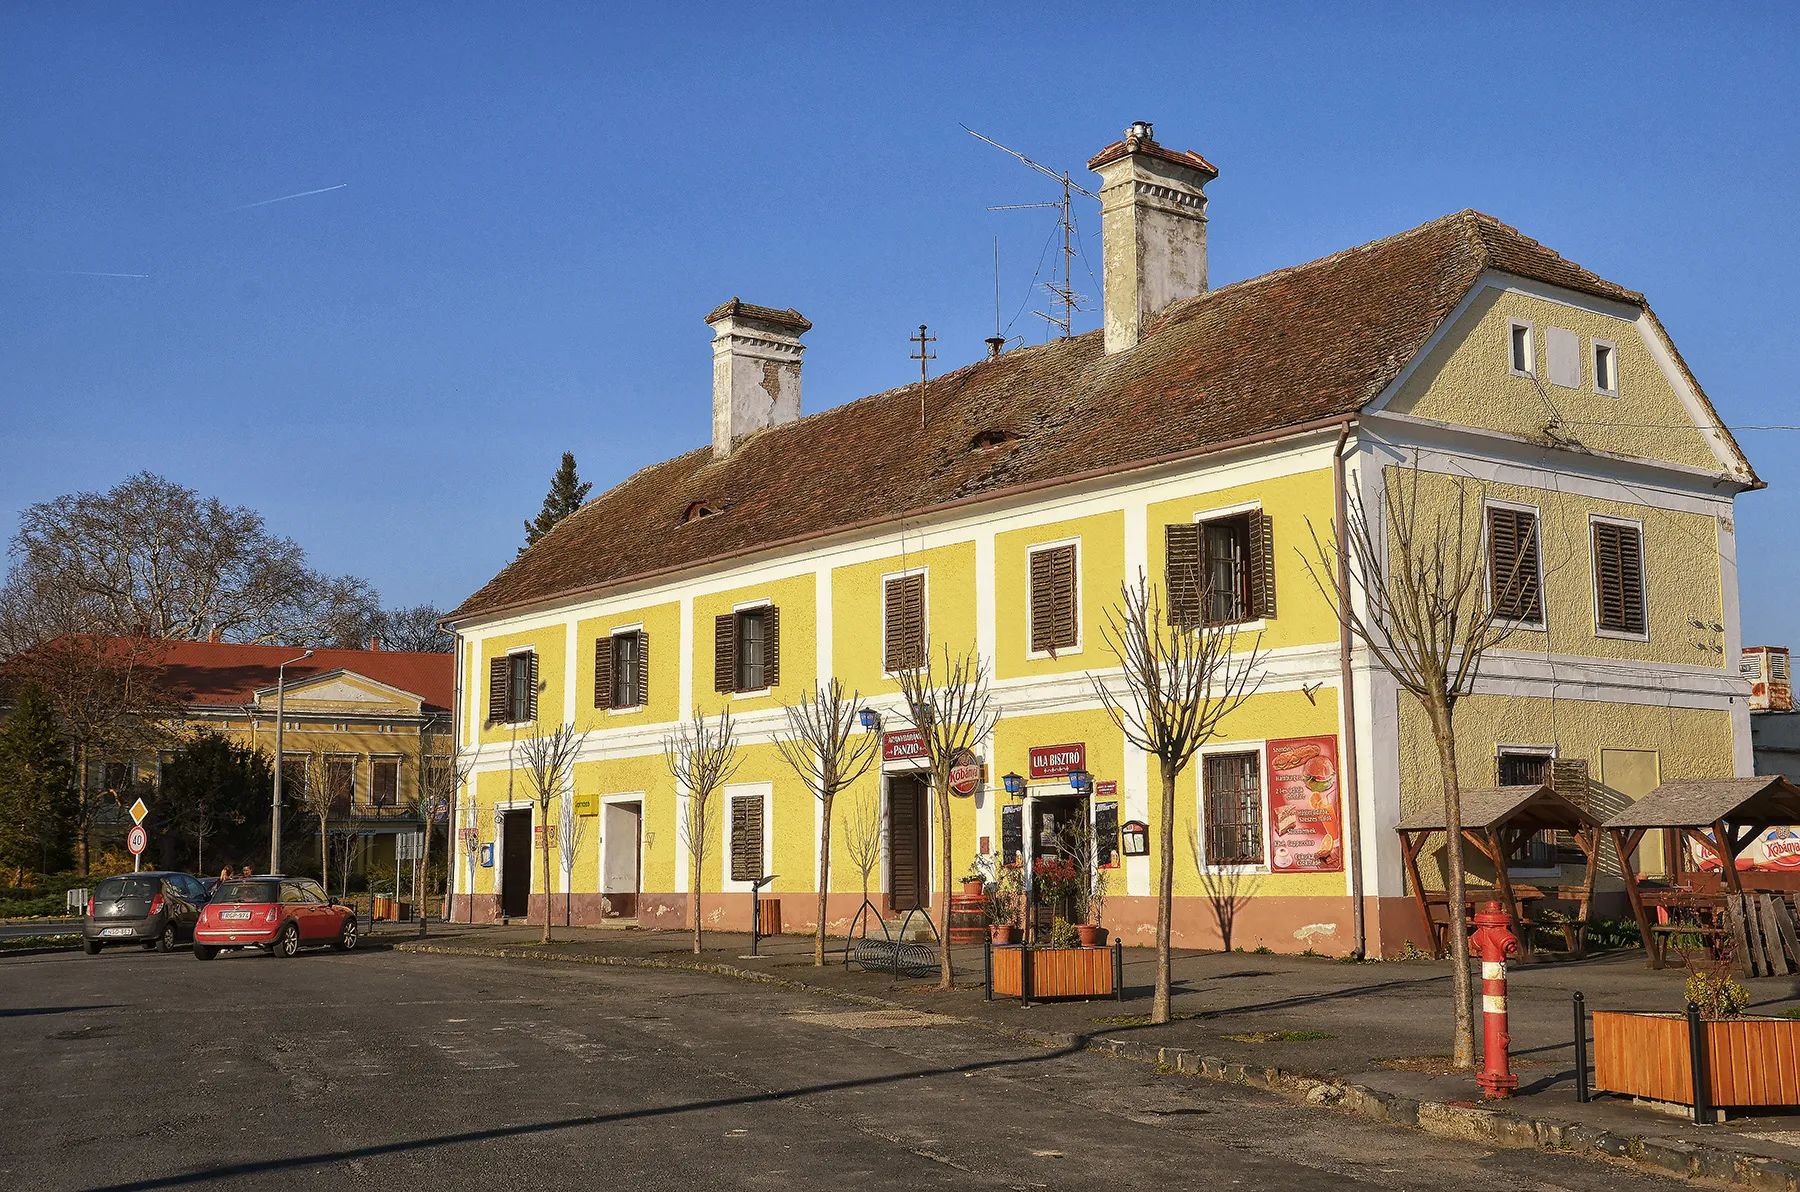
x: 1233, y: 790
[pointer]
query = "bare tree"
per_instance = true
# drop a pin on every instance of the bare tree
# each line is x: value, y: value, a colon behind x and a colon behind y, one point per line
x: 1182, y: 676
x: 415, y: 629
x: 549, y: 760
x: 950, y: 703
x: 1426, y: 619
x: 320, y: 796
x: 152, y: 557
x: 573, y: 830
x: 441, y: 776
x: 110, y: 697
x: 701, y: 757
x: 825, y: 750
x: 864, y: 837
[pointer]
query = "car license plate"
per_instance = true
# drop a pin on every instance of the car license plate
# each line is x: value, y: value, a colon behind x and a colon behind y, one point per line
x: 118, y: 931
x: 236, y: 916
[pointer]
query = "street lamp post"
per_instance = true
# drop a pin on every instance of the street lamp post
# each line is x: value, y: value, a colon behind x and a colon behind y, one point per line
x: 280, y: 724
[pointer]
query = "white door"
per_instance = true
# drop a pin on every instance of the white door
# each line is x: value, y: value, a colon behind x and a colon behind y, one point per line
x: 621, y: 832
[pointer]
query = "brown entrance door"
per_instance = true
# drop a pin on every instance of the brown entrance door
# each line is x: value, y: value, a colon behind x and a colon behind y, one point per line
x: 909, y: 846
x: 515, y: 862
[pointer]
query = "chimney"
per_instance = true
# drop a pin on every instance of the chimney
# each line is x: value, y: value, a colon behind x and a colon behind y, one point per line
x: 374, y: 643
x: 1152, y: 230
x: 215, y: 635
x: 756, y: 370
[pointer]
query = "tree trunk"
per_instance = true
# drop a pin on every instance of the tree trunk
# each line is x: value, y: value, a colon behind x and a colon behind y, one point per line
x: 1165, y: 893
x: 425, y: 878
x: 82, y: 810
x: 1462, y: 1053
x: 942, y: 782
x: 824, y: 877
x: 696, y: 855
x: 324, y: 856
x: 544, y: 848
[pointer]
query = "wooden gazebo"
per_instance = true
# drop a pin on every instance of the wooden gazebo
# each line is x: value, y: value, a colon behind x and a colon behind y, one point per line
x: 1498, y: 821
x: 1721, y: 815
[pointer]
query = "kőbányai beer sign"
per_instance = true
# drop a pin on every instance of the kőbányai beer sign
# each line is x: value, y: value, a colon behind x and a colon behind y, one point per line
x: 965, y: 773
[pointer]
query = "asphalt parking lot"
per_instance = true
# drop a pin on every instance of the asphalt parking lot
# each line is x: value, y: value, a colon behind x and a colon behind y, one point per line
x: 386, y: 1070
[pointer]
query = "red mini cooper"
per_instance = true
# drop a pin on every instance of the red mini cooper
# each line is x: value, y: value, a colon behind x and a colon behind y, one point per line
x: 282, y: 914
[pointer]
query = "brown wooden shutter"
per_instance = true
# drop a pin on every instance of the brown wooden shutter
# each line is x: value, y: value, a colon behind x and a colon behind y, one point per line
x: 1619, y: 577
x: 1513, y: 565
x: 1043, y: 603
x: 532, y: 693
x: 1569, y: 778
x: 1054, y: 615
x: 904, y: 618
x: 499, y: 671
x: 725, y: 652
x: 772, y: 647
x: 1181, y: 572
x: 643, y: 691
x: 746, y: 838
x: 1262, y: 566
x: 1067, y: 628
x: 603, y: 673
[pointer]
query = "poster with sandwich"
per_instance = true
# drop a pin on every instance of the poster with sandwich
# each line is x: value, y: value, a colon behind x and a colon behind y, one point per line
x: 1305, y: 812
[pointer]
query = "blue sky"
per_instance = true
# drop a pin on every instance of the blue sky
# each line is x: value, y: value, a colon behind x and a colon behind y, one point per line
x: 539, y: 203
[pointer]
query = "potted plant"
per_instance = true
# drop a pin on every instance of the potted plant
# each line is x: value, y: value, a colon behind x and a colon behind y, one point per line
x: 1006, y: 898
x: 974, y: 881
x: 1092, y: 934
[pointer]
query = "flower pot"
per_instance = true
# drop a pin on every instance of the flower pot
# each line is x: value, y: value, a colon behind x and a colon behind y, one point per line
x: 1004, y: 933
x: 972, y: 886
x: 1092, y: 935
x: 1749, y: 1061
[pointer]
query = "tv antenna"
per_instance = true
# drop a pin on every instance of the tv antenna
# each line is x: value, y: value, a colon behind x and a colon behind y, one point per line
x: 1064, y: 292
x: 924, y: 356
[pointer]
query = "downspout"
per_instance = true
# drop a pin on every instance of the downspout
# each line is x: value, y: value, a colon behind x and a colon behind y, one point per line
x: 452, y: 855
x: 1347, y: 695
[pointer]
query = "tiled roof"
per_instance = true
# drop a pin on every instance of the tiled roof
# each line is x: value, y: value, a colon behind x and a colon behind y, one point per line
x: 1531, y: 808
x: 1150, y: 148
x: 768, y: 314
x: 230, y: 674
x: 1283, y: 350
x: 1766, y: 799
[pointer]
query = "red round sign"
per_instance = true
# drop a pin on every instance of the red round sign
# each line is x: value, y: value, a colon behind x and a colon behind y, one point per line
x: 137, y: 840
x: 965, y: 773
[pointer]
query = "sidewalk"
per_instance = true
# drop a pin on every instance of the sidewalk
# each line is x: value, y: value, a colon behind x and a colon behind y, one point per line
x: 1230, y: 1009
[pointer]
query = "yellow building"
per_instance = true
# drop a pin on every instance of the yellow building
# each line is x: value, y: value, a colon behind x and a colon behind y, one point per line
x: 1000, y: 508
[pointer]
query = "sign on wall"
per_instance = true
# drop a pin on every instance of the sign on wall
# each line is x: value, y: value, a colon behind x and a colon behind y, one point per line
x: 487, y: 855
x: 1012, y: 833
x: 1135, y: 837
x: 903, y: 745
x: 1306, y: 832
x: 965, y: 773
x: 588, y: 804
x: 1106, y: 825
x: 538, y: 833
x: 1055, y: 761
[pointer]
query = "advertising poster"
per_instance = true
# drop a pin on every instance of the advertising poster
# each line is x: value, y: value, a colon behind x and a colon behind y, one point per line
x: 1305, y: 809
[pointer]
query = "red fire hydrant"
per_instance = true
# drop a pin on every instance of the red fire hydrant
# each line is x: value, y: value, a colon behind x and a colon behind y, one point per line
x: 1494, y: 942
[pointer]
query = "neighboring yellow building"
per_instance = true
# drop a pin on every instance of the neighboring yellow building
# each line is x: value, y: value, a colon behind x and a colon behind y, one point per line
x: 1000, y: 510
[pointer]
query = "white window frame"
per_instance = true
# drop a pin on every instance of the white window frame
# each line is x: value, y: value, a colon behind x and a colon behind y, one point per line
x: 1612, y: 352
x: 1080, y: 599
x: 1544, y: 751
x: 508, y: 656
x: 1632, y: 523
x: 1487, y: 572
x: 745, y: 790
x: 1513, y: 325
x: 621, y: 631
x: 1258, y: 746
x: 925, y: 598
x: 1221, y: 513
x: 748, y: 606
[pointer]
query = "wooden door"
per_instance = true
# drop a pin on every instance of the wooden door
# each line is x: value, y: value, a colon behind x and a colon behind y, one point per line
x: 909, y: 846
x: 515, y: 861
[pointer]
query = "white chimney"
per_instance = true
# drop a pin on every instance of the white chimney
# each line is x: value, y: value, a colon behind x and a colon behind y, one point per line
x: 1152, y: 230
x: 756, y: 370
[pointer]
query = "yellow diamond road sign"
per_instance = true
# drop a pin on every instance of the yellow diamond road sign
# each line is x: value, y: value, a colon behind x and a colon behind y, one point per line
x: 139, y: 810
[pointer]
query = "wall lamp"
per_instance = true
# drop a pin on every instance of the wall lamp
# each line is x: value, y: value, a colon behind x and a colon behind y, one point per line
x: 1015, y: 785
x: 1080, y: 779
x: 870, y: 719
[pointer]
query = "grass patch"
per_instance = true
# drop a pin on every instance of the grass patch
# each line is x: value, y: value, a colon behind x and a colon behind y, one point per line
x: 1137, y: 1019
x: 1790, y: 1013
x: 1279, y: 1037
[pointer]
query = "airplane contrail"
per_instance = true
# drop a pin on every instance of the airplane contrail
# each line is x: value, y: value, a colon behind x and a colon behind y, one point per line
x: 284, y: 198
x: 81, y: 273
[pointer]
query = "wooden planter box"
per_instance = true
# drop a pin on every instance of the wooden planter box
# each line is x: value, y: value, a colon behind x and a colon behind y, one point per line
x: 1749, y: 1061
x: 1055, y: 972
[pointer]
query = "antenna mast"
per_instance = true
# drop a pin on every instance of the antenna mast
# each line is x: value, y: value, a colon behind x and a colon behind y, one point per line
x: 1065, y: 292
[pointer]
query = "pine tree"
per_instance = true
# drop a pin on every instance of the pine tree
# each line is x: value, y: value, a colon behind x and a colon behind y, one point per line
x: 567, y: 492
x: 35, y: 788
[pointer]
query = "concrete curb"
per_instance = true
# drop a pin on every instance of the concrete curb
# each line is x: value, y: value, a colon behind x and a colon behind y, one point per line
x: 1463, y: 1122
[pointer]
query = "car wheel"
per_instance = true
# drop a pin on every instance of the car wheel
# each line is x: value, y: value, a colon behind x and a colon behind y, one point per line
x: 287, y: 943
x: 91, y: 947
x: 204, y: 952
x: 166, y: 941
x: 346, y: 940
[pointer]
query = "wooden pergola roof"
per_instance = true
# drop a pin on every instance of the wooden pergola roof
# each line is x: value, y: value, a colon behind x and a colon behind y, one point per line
x: 1530, y: 808
x: 1764, y: 800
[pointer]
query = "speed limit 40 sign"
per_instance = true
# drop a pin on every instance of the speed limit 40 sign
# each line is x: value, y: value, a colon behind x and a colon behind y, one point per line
x: 136, y: 840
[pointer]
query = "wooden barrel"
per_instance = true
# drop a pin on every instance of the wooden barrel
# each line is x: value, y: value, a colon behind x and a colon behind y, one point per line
x: 968, y: 918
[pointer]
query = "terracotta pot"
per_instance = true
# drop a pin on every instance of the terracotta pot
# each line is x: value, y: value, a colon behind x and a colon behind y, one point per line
x: 1004, y: 933
x: 973, y: 886
x: 1091, y: 936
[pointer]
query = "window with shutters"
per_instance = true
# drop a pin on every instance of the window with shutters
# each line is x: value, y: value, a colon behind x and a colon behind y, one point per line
x: 1220, y: 570
x: 903, y: 622
x: 512, y: 688
x: 1515, y: 585
x: 747, y: 649
x: 1232, y: 795
x: 1618, y: 578
x: 746, y: 837
x: 384, y: 782
x: 622, y: 670
x: 340, y: 782
x: 1055, y: 598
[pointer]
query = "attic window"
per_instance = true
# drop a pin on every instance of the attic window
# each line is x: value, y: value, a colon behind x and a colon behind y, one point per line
x: 993, y: 437
x: 698, y: 510
x: 1523, y: 361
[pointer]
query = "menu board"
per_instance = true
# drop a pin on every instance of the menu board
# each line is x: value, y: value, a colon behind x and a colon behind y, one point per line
x: 1106, y: 832
x: 1012, y: 833
x: 1306, y: 832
